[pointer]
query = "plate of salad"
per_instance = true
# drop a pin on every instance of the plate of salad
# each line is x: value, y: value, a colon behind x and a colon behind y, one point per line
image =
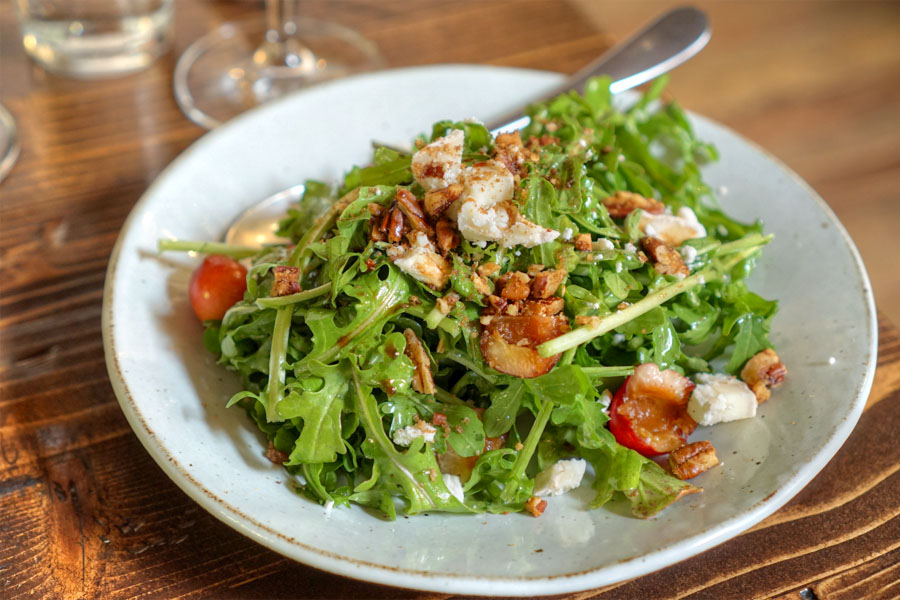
x: 530, y: 363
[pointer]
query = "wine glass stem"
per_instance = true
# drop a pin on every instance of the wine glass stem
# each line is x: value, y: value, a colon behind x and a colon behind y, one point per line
x: 283, y: 46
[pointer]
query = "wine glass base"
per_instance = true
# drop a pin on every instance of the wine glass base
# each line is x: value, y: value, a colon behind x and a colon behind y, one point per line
x: 227, y: 72
x: 9, y: 142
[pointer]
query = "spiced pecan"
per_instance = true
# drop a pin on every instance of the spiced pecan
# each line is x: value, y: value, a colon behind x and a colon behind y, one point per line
x: 620, y: 204
x: 545, y: 307
x: 287, y: 281
x: 396, y: 225
x: 488, y: 269
x: 422, y: 380
x: 276, y: 455
x: 546, y: 283
x: 536, y: 506
x: 587, y: 321
x: 447, y: 236
x: 762, y: 372
x: 666, y: 260
x: 481, y: 284
x: 446, y: 303
x: 412, y: 210
x: 583, y: 242
x: 496, y: 303
x: 377, y: 222
x: 517, y: 286
x: 535, y: 269
x: 693, y: 459
x: 513, y: 308
x: 438, y: 201
x: 509, y: 150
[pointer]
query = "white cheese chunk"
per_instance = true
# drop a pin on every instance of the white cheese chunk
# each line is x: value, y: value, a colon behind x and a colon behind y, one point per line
x: 421, y: 261
x: 485, y: 211
x: 719, y: 399
x: 405, y: 436
x: 672, y: 229
x: 454, y: 486
x: 559, y: 478
x: 439, y: 164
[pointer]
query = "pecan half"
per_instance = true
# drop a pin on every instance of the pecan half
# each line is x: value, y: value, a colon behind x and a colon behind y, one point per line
x: 693, y: 459
x: 287, y: 281
x: 763, y: 372
x: 422, y: 380
x: 622, y: 203
x: 395, y: 225
x: 412, y: 210
x: 666, y: 260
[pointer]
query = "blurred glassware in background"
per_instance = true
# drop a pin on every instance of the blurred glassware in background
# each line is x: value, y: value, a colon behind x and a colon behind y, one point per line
x: 95, y: 38
x: 242, y: 65
x: 9, y: 142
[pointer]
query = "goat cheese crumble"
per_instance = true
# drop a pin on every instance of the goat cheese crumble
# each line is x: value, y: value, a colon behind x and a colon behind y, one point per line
x: 720, y: 398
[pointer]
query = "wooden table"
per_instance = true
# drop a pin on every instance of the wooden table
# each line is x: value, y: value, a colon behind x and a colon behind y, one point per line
x: 85, y: 512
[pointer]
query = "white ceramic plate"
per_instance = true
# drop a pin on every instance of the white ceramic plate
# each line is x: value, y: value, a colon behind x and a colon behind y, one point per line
x: 173, y: 394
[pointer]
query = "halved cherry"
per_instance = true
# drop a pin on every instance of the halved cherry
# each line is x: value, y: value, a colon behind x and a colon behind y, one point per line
x: 649, y: 411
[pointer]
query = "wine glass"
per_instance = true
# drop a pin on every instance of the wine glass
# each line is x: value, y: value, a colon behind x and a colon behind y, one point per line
x: 242, y: 65
x: 9, y: 142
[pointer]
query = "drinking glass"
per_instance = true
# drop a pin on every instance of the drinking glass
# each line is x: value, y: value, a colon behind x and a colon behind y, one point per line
x: 95, y: 38
x: 9, y: 142
x: 242, y: 65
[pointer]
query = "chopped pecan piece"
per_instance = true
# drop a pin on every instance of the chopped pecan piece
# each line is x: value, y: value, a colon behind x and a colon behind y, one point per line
x: 536, y: 506
x: 447, y: 237
x: 583, y: 242
x: 509, y: 150
x: 546, y: 283
x: 587, y: 321
x: 446, y: 304
x: 622, y: 203
x: 287, y: 281
x: 488, y: 269
x: 422, y: 380
x: 763, y: 372
x: 513, y: 308
x: 544, y: 307
x: 535, y: 269
x: 666, y: 260
x: 481, y: 284
x: 693, y: 459
x: 438, y: 201
x: 517, y: 286
x: 276, y: 455
x: 496, y: 304
x: 412, y: 210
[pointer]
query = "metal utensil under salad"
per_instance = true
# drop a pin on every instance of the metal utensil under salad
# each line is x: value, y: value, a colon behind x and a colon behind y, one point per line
x: 662, y: 45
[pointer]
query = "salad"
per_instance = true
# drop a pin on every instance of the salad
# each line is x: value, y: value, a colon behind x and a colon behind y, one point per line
x: 492, y: 321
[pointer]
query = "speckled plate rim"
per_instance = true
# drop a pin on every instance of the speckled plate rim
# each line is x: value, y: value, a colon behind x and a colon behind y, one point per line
x: 460, y: 583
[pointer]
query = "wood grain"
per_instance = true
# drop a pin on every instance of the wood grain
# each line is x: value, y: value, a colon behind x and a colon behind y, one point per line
x: 84, y: 510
